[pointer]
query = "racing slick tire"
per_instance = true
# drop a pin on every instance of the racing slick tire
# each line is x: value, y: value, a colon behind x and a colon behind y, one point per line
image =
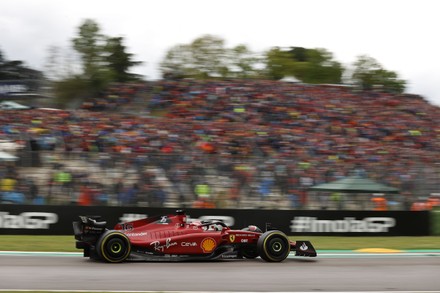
x: 113, y: 246
x: 273, y: 246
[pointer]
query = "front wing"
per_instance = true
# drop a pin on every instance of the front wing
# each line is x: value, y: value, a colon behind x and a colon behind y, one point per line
x: 304, y: 248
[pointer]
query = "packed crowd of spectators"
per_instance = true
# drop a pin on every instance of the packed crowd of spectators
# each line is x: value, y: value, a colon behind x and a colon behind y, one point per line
x: 236, y: 140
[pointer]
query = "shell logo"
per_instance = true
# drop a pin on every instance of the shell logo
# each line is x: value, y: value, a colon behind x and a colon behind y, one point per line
x: 208, y: 244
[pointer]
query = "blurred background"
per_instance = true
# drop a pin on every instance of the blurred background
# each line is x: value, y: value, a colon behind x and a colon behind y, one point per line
x: 286, y: 127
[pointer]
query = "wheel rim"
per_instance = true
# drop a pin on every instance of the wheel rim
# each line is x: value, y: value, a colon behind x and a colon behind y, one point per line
x: 116, y: 248
x: 276, y: 247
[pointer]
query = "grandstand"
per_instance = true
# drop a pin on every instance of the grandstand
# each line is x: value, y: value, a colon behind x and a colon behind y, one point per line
x: 255, y: 143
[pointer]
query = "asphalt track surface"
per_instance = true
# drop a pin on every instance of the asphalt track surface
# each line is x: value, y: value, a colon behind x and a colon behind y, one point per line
x: 331, y: 272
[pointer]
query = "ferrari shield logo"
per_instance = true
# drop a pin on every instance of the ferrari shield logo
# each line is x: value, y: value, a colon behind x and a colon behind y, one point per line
x: 232, y: 238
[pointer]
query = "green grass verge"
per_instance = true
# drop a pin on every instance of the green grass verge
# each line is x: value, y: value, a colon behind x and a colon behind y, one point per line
x: 67, y: 243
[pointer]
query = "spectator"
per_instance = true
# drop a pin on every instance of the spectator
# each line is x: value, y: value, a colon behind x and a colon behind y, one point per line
x: 303, y: 134
x: 203, y: 191
x: 379, y: 202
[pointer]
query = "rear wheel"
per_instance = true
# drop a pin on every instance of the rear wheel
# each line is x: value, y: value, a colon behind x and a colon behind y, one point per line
x: 113, y: 246
x: 273, y: 246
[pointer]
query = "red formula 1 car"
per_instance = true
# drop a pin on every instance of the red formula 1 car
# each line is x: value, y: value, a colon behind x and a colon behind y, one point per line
x: 172, y: 237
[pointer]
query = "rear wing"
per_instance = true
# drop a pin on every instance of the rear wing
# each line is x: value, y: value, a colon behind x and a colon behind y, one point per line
x: 88, y: 227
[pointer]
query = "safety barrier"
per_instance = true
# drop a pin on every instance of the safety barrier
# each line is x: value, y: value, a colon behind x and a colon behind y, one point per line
x: 57, y: 220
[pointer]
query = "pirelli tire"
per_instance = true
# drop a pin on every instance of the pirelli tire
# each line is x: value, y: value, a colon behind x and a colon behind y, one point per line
x: 113, y: 246
x: 273, y: 246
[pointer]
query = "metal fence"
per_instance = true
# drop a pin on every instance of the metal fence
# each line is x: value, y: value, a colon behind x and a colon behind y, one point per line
x: 201, y: 180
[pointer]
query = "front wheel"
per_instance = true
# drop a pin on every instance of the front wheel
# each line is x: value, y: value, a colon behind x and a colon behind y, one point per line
x: 113, y: 246
x: 273, y: 246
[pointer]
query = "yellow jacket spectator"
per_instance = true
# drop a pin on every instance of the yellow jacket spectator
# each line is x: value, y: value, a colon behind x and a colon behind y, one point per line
x: 202, y: 190
x: 7, y: 184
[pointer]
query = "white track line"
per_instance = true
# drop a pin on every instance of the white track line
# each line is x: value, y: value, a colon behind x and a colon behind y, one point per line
x: 127, y: 291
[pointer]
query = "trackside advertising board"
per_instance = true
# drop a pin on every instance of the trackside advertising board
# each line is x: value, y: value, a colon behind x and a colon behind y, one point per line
x: 57, y: 220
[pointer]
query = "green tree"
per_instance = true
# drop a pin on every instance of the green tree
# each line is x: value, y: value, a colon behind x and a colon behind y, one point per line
x: 319, y: 67
x: 91, y: 45
x: 242, y: 62
x: 70, y: 91
x: 279, y: 63
x: 203, y: 58
x: 207, y: 57
x: 208, y: 53
x: 119, y: 61
x: 307, y: 65
x: 177, y: 62
x: 103, y: 60
x: 368, y: 73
